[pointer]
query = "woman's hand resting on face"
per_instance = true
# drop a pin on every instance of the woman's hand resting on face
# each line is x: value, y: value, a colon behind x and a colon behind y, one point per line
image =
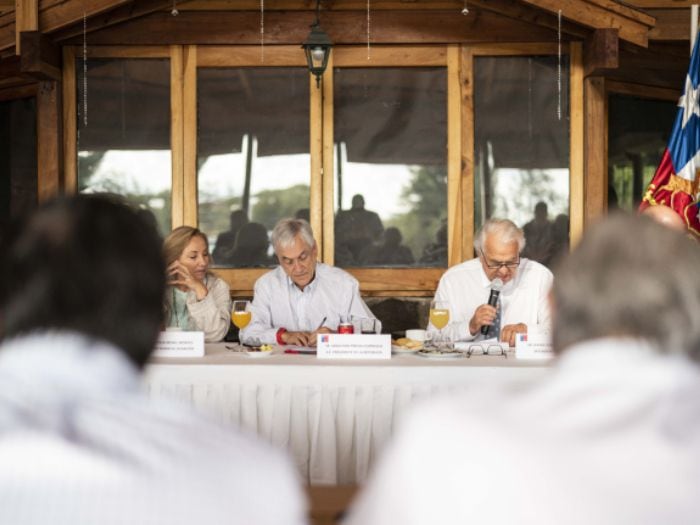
x: 180, y: 276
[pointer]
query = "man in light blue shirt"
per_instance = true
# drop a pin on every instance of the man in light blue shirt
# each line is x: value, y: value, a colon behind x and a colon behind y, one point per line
x: 301, y: 297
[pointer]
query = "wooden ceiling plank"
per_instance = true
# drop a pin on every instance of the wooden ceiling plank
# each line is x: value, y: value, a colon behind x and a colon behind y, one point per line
x: 525, y: 13
x: 671, y: 24
x: 626, y: 11
x: 661, y: 4
x: 597, y: 17
x: 113, y: 17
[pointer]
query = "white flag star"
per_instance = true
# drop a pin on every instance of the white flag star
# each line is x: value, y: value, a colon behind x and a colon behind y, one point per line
x: 689, y: 101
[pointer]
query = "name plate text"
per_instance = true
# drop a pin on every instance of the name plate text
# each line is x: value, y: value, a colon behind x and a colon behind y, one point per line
x: 180, y: 344
x: 353, y: 346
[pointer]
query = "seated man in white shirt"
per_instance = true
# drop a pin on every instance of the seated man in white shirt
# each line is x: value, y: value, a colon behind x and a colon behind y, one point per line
x: 81, y: 296
x: 301, y: 297
x: 610, y: 435
x: 523, y: 303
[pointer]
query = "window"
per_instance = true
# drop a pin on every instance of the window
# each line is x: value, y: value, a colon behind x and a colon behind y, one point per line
x: 521, y: 148
x: 429, y: 140
x: 390, y: 134
x: 252, y: 156
x: 123, y: 141
x: 638, y: 132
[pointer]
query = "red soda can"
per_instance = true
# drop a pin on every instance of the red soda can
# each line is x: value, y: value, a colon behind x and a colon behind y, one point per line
x: 346, y: 328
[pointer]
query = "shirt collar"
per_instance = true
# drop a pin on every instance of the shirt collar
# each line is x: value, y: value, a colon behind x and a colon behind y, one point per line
x: 310, y: 287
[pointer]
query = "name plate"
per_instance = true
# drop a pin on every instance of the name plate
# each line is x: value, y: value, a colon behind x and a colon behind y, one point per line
x: 353, y: 346
x: 533, y: 346
x: 179, y: 344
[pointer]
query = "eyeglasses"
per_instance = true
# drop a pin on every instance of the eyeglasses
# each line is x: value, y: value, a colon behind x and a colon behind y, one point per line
x: 487, y: 349
x: 494, y: 265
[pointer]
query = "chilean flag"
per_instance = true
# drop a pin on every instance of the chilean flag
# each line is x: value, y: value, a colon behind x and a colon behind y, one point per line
x: 675, y: 182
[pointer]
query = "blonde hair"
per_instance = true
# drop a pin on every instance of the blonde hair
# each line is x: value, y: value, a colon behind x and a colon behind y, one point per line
x: 175, y: 243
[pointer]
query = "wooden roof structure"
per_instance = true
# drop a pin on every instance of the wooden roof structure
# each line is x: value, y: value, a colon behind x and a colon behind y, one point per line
x: 652, y: 35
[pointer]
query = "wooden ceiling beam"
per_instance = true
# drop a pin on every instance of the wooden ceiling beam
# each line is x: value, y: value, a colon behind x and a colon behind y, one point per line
x: 601, y: 52
x: 632, y: 25
x: 26, y: 19
x: 40, y: 58
x: 343, y: 27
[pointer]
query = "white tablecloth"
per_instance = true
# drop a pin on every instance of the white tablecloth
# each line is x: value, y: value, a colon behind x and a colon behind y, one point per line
x: 332, y: 416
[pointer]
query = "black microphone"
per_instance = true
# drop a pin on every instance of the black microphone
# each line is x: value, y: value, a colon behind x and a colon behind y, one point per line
x: 496, y: 286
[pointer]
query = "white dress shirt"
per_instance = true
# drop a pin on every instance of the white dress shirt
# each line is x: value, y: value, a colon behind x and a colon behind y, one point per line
x: 523, y: 299
x: 80, y: 444
x: 279, y: 303
x: 611, y: 436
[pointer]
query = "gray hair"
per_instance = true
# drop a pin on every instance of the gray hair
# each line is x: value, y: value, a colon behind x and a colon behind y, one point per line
x: 505, y: 230
x: 630, y: 277
x: 286, y: 230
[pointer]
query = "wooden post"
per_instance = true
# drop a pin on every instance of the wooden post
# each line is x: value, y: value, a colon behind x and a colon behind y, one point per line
x: 596, y: 148
x: 576, y: 147
x: 49, y: 140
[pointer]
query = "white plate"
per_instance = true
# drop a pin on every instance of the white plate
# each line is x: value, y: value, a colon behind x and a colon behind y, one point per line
x: 404, y: 350
x: 440, y: 354
x: 260, y: 353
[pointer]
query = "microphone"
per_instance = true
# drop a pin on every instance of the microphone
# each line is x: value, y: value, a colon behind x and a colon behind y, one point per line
x: 496, y: 286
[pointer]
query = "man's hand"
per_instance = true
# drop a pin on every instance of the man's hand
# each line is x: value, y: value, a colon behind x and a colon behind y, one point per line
x: 313, y: 335
x: 508, y: 332
x: 483, y: 316
x: 297, y: 338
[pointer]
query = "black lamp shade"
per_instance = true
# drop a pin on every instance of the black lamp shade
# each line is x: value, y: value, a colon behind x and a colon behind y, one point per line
x: 317, y: 48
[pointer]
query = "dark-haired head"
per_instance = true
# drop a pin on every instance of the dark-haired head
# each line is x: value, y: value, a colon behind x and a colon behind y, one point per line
x: 88, y: 264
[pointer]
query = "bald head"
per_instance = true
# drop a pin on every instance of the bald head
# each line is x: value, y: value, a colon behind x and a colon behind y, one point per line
x: 666, y: 216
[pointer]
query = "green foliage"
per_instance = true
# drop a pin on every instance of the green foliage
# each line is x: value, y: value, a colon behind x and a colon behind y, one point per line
x: 426, y: 195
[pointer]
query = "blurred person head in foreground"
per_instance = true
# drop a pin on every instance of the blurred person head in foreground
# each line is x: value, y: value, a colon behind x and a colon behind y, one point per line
x: 666, y: 216
x: 609, y: 435
x: 81, y: 292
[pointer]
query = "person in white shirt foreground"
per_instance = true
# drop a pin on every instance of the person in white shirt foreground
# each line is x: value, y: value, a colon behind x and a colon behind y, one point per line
x: 523, y: 298
x: 301, y: 297
x: 81, y: 294
x: 610, y: 436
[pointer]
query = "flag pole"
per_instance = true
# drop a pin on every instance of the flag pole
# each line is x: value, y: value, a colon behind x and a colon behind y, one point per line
x: 693, y: 24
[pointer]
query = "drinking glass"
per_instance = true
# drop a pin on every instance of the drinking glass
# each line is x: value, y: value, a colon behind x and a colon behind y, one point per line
x: 241, y: 315
x: 368, y: 325
x: 440, y: 318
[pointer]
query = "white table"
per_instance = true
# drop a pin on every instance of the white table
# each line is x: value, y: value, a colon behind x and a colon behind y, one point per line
x: 332, y: 416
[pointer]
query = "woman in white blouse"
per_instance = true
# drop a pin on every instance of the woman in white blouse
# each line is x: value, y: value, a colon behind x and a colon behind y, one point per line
x: 196, y: 299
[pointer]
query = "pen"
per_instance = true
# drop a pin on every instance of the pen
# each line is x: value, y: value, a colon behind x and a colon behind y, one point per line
x: 320, y: 325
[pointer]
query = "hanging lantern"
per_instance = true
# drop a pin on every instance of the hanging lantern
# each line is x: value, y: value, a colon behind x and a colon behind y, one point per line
x: 317, y: 48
